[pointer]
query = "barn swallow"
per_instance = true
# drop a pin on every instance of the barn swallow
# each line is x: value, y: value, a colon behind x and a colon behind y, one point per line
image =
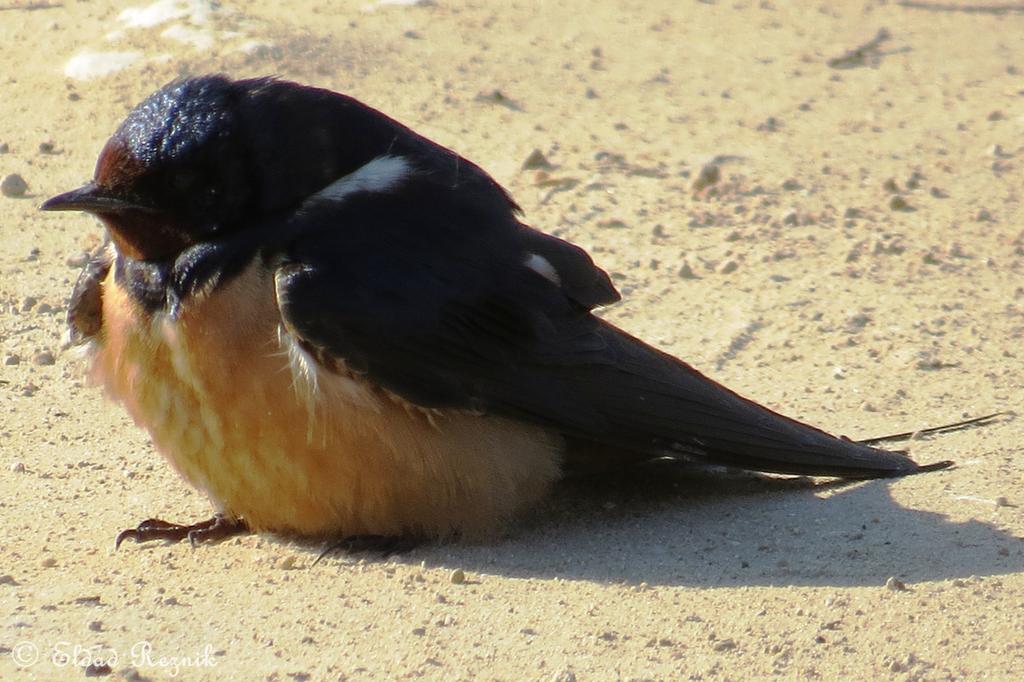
x: 337, y: 328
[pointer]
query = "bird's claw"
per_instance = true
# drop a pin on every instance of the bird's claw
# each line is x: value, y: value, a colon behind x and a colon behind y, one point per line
x: 218, y: 527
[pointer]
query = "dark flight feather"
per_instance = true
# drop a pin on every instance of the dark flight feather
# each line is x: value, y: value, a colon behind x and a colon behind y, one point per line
x: 450, y: 318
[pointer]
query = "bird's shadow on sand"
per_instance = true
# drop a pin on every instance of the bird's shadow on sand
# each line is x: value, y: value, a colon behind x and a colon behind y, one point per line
x: 666, y: 525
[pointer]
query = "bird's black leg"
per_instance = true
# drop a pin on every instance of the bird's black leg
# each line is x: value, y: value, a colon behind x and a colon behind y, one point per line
x: 219, y: 527
x: 384, y: 545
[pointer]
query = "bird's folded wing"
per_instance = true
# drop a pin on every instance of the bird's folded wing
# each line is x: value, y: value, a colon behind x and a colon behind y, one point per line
x: 447, y: 319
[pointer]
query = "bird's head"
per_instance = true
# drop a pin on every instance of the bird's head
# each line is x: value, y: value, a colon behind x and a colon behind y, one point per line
x: 174, y: 174
x: 206, y: 157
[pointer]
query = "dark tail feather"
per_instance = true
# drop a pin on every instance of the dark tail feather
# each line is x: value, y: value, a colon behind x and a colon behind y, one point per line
x: 655, y: 404
x: 945, y: 428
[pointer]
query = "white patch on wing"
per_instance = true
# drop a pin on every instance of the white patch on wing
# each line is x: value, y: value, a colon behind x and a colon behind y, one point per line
x: 379, y: 175
x: 543, y: 267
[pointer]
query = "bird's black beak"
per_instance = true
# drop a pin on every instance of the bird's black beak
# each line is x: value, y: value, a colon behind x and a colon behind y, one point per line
x: 136, y: 229
x: 92, y: 199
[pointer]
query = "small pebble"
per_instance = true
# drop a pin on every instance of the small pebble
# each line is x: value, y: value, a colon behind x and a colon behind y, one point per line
x: 46, y: 147
x: 77, y: 260
x: 97, y: 670
x: 12, y: 359
x: 289, y: 563
x: 724, y: 645
x: 457, y: 577
x: 96, y: 626
x: 895, y: 585
x: 956, y: 250
x: 4, y: 147
x: 44, y: 358
x: 535, y: 160
x: 790, y: 218
x: 727, y: 267
x: 419, y: 632
x: 898, y: 203
x: 686, y: 272
x: 18, y: 467
x: 49, y: 562
x: 996, y: 115
x: 890, y: 186
x: 858, y: 321
x: 709, y: 175
x: 564, y: 676
x: 1001, y: 501
x: 13, y: 185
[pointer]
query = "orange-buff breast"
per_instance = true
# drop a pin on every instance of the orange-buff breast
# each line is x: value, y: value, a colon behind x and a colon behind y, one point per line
x: 231, y: 400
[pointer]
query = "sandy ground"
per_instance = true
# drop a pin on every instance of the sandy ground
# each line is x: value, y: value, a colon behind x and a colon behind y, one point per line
x: 858, y: 265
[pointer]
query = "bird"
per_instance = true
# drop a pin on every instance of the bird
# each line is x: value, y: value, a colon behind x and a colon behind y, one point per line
x: 337, y: 328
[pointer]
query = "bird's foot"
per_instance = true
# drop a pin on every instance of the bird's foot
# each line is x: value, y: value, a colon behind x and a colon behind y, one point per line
x: 382, y: 545
x: 219, y: 527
